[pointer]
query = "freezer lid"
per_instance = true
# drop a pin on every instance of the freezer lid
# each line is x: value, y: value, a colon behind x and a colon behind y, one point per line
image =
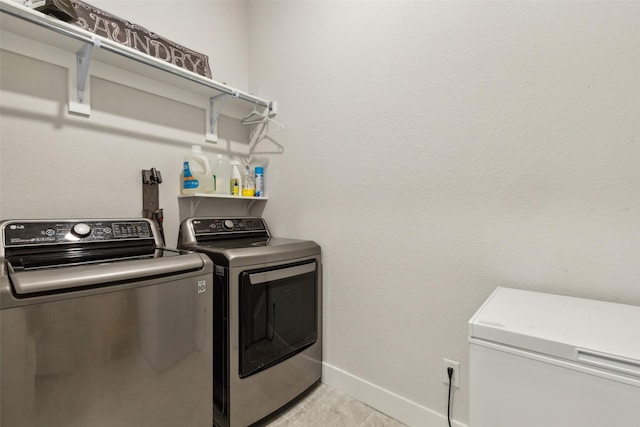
x: 597, y: 333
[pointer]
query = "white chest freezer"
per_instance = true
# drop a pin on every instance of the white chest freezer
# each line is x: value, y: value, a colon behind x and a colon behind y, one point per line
x: 542, y: 360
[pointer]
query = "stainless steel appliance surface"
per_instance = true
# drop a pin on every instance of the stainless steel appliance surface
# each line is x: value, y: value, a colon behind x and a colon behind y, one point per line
x: 267, y: 315
x: 100, y: 325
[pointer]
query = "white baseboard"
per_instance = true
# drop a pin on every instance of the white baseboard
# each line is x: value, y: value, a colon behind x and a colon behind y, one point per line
x: 385, y: 401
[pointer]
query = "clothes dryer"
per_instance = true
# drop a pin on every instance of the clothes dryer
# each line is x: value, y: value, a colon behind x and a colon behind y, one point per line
x: 267, y: 320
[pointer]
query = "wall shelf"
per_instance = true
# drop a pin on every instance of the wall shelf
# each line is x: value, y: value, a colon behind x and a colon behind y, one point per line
x: 21, y: 26
x: 219, y: 202
x: 220, y: 196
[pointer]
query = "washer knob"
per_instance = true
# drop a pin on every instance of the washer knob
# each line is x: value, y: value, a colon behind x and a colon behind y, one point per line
x: 228, y: 224
x: 81, y: 230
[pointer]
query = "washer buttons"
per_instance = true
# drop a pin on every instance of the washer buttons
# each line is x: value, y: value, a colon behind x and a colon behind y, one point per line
x: 81, y: 230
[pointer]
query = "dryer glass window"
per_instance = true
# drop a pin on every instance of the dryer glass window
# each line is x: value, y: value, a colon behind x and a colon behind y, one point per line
x: 278, y: 317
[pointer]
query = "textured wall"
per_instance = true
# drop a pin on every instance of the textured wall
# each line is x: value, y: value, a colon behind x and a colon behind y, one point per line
x: 435, y: 150
x: 54, y: 164
x: 439, y: 149
x: 215, y: 28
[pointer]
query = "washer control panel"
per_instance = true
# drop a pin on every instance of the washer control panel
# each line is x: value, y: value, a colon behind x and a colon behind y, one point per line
x: 21, y: 233
x: 203, y: 226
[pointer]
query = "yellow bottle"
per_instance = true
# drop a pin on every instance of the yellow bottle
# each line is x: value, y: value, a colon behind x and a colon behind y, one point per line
x: 235, y: 183
x: 248, y: 183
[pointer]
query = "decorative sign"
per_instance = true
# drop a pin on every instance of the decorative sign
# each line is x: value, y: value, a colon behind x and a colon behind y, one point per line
x: 134, y: 36
x: 61, y: 9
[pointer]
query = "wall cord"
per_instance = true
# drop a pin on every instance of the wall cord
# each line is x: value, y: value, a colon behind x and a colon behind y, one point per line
x: 450, y: 374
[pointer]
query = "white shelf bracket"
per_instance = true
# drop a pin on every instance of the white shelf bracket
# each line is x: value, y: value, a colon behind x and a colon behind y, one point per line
x: 214, y: 113
x: 248, y: 206
x: 193, y: 205
x: 80, y: 102
x: 83, y: 61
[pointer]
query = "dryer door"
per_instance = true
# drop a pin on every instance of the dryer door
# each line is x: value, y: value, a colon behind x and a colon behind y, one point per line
x: 278, y: 314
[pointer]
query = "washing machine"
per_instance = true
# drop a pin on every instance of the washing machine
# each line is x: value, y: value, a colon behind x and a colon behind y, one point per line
x: 101, y: 325
x: 267, y: 321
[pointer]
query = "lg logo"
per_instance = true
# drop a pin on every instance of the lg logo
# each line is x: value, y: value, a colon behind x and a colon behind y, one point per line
x: 202, y: 286
x: 17, y: 227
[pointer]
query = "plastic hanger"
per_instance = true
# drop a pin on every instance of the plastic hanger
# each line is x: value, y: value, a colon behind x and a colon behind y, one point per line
x: 255, y: 117
x: 263, y: 132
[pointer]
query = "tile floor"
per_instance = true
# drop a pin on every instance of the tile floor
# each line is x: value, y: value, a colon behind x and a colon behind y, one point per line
x: 324, y: 406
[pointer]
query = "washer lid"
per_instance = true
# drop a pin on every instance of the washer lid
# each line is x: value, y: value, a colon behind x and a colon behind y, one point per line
x: 26, y: 282
x: 597, y: 333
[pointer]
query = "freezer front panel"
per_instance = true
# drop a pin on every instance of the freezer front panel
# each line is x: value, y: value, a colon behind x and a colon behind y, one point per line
x: 514, y: 388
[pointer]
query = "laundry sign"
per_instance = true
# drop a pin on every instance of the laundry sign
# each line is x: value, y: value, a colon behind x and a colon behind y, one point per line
x: 126, y: 33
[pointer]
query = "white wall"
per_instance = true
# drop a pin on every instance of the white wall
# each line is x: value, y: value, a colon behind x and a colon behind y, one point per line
x: 54, y: 164
x: 215, y: 28
x: 434, y: 149
x: 437, y: 150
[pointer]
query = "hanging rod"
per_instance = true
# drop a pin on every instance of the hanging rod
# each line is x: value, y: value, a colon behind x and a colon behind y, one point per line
x: 78, y: 33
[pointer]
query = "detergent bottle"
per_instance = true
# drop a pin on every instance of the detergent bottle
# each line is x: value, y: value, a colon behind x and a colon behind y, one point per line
x: 196, y: 173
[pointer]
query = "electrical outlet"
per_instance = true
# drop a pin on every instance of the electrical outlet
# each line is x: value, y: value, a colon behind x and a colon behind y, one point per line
x: 455, y: 379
